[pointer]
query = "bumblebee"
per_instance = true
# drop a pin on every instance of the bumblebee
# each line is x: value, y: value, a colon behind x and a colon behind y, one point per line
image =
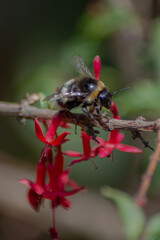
x: 85, y: 90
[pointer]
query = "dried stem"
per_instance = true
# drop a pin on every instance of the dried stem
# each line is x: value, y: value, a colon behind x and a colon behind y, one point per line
x: 24, y: 111
x: 147, y: 177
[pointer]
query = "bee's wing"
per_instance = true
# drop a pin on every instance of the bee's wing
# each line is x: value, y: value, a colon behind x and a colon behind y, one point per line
x: 58, y: 96
x: 81, y: 66
x: 50, y: 97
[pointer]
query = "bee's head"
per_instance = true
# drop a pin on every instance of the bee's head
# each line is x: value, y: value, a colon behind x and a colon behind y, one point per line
x: 105, y: 98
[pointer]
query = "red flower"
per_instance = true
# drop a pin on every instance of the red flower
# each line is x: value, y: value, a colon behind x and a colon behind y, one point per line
x: 34, y: 199
x: 105, y: 148
x: 36, y: 190
x: 56, y: 189
x: 38, y: 185
x: 97, y: 67
x: 58, y: 181
x: 51, y: 132
x: 87, y: 151
x: 114, y: 110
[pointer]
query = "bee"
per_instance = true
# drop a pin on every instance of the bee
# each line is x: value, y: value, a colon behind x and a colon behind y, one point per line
x: 85, y: 90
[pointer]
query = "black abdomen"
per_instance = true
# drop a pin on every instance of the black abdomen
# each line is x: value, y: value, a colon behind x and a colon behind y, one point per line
x: 74, y: 92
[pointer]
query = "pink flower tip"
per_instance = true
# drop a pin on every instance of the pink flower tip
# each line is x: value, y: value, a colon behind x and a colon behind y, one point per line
x: 114, y: 110
x: 97, y: 66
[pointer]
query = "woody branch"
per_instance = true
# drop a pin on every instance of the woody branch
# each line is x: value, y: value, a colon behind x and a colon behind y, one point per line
x: 25, y: 111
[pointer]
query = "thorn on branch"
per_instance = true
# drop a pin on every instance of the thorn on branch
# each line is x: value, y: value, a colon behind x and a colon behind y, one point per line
x: 136, y: 134
x: 21, y: 120
x: 91, y: 132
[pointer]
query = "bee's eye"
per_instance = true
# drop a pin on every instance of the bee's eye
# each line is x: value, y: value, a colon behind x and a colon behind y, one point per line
x: 91, y: 86
x: 105, y: 98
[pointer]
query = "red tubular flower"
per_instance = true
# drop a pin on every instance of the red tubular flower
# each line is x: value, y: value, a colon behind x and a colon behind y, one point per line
x: 58, y: 181
x: 114, y: 110
x: 87, y: 151
x: 38, y: 185
x: 37, y: 188
x: 105, y: 148
x: 51, y: 132
x: 56, y: 189
x: 97, y: 67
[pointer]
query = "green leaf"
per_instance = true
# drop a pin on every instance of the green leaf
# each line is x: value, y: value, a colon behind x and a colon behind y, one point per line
x: 132, y: 216
x: 152, y: 231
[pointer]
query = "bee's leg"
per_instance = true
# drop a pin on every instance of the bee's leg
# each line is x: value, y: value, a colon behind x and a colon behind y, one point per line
x: 91, y: 132
x: 92, y: 109
x: 84, y: 108
x: 98, y: 110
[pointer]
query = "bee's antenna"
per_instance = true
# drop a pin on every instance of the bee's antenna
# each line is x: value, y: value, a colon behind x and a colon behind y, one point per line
x: 122, y: 89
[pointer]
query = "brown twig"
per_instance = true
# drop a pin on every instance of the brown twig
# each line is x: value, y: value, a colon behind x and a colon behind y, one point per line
x: 104, y: 122
x: 141, y: 198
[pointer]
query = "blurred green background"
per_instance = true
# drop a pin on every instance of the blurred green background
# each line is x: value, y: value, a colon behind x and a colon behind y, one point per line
x: 38, y: 39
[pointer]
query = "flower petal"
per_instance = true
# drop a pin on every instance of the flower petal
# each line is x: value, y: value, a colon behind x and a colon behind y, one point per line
x: 59, y: 140
x: 65, y: 203
x: 97, y: 67
x: 120, y: 137
x: 39, y: 132
x: 50, y: 195
x: 104, y: 152
x: 95, y: 150
x: 69, y: 193
x: 84, y: 158
x: 34, y: 199
x: 63, y: 179
x: 86, y: 144
x: 128, y: 148
x: 73, y: 184
x: 114, y: 110
x: 35, y: 187
x: 41, y: 174
x: 53, y: 127
x: 26, y: 182
x: 100, y: 140
x: 113, y: 136
x: 73, y: 153
x: 59, y: 164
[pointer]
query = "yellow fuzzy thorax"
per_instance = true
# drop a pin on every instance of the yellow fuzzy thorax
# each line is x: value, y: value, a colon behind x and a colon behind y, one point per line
x: 94, y: 94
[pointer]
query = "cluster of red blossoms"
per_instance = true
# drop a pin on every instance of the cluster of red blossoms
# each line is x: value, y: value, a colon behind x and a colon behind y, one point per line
x: 52, y: 180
